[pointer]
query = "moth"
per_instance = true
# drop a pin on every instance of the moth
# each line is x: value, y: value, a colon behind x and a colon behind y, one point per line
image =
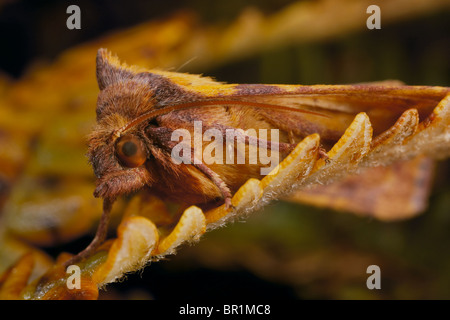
x: 138, y: 111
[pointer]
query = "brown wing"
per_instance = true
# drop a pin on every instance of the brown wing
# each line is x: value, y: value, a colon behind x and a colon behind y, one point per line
x: 390, y: 193
x: 383, y: 102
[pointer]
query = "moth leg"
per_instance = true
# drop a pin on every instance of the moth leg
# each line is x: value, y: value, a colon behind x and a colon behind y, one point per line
x: 323, y: 155
x: 226, y: 193
x: 100, y: 234
x: 224, y: 190
x: 291, y: 137
x: 162, y: 134
x: 257, y: 142
x: 282, y: 146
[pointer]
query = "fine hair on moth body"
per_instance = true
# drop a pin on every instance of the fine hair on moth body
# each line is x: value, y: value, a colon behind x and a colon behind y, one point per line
x: 155, y: 131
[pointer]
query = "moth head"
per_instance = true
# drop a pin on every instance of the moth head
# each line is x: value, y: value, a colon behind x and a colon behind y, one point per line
x: 118, y: 146
x: 119, y: 159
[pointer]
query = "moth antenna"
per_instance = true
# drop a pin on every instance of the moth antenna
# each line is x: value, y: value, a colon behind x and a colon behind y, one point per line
x: 186, y: 63
x: 154, y: 113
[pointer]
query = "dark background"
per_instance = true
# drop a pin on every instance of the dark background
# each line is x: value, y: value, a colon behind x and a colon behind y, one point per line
x: 37, y: 29
x: 415, y: 50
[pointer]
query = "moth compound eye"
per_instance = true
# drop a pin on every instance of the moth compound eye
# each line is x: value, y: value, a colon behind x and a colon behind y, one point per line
x: 130, y: 151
